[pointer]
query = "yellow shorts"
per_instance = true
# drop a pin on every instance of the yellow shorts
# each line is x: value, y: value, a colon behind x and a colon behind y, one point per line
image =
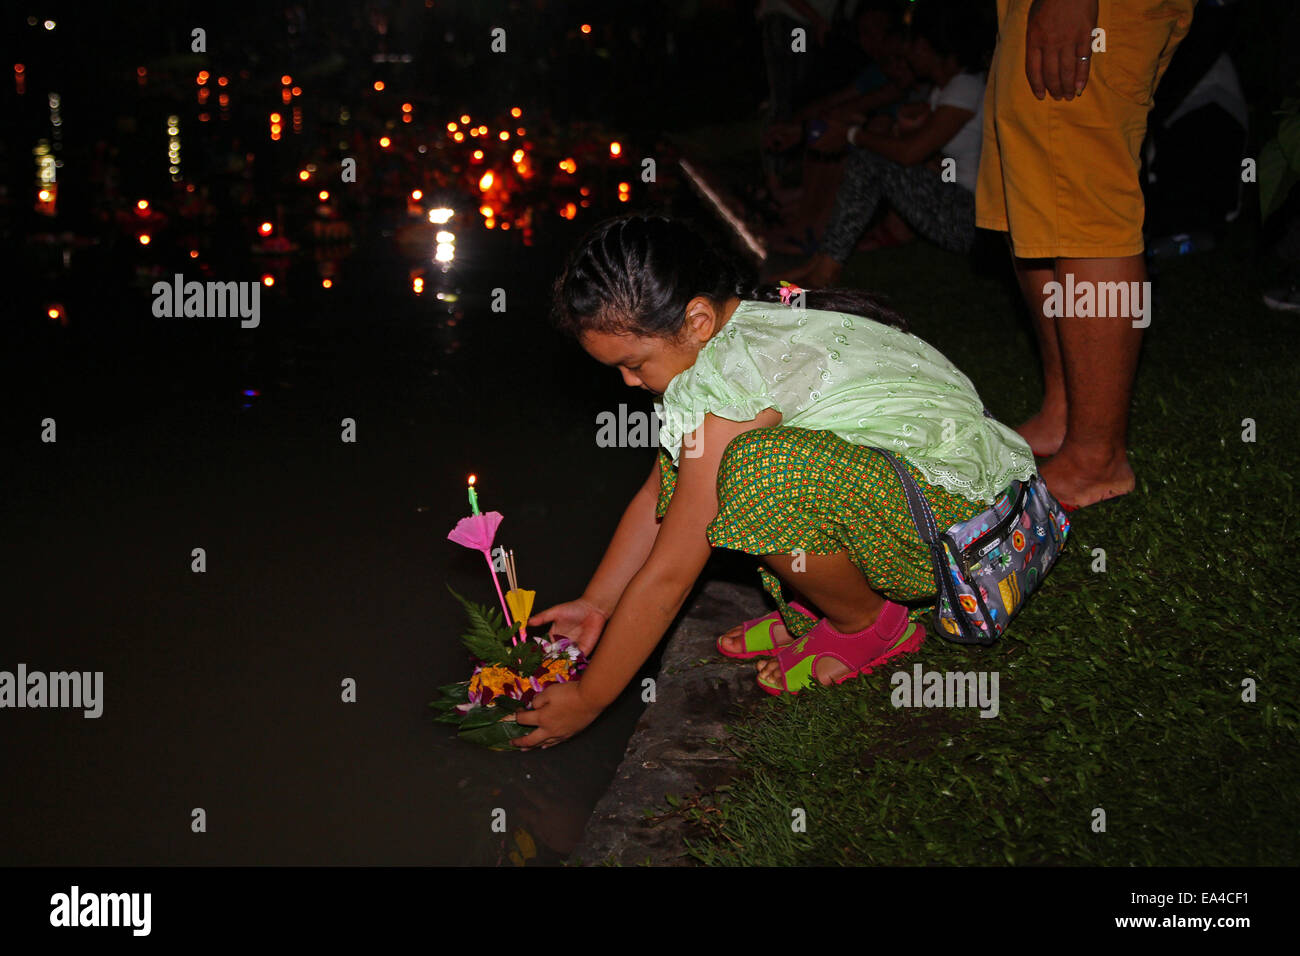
x: 1062, y: 175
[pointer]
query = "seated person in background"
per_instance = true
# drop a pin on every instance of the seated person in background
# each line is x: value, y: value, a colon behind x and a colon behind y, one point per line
x: 789, y: 73
x: 925, y: 169
x: 876, y: 92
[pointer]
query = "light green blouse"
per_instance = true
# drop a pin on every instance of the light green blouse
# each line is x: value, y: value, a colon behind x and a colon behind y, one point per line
x: 867, y: 382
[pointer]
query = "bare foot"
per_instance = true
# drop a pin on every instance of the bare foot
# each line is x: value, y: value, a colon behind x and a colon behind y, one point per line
x: 1045, y: 432
x: 1080, y: 480
x: 794, y: 274
x: 734, y: 639
x: 790, y: 243
x: 827, y: 671
x: 822, y: 271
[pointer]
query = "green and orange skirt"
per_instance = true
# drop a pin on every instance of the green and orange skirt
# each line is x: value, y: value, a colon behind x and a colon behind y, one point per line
x: 782, y: 489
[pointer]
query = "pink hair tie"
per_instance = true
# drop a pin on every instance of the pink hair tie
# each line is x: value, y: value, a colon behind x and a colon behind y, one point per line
x: 788, y: 291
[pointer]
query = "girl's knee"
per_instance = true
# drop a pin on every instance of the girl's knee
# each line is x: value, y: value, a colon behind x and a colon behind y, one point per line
x: 761, y: 462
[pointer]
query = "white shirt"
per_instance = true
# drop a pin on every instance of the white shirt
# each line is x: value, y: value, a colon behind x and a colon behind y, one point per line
x: 966, y: 92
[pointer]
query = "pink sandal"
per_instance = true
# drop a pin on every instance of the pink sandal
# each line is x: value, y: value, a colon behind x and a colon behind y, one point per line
x: 891, y: 635
x: 757, y: 634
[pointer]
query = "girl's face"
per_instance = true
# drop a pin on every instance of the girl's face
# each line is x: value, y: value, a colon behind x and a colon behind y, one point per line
x: 646, y: 362
x: 651, y: 362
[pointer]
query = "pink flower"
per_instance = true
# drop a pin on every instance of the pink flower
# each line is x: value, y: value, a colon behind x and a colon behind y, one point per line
x: 477, y: 531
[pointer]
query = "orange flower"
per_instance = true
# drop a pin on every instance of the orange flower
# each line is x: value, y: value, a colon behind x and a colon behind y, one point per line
x: 496, y: 681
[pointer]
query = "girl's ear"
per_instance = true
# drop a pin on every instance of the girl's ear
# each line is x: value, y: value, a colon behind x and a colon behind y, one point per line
x: 701, y: 318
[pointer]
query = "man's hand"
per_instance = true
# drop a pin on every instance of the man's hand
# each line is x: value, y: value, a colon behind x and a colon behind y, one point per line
x: 557, y: 713
x: 1058, y: 45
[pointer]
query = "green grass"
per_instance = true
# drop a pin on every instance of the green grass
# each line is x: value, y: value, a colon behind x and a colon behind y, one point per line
x: 1119, y: 690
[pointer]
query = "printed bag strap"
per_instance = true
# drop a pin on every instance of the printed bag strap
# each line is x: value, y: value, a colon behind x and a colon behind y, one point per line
x: 916, y: 501
x: 923, y: 518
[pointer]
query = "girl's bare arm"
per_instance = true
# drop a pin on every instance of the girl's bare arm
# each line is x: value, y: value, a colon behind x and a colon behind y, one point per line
x: 658, y: 589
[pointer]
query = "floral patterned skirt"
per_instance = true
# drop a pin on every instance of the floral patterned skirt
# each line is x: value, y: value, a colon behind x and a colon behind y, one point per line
x: 785, y: 488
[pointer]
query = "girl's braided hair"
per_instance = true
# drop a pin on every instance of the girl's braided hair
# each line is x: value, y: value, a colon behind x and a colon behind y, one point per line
x: 636, y: 273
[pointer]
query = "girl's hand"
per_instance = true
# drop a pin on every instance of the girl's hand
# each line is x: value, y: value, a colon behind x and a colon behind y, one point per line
x: 558, y: 712
x: 580, y: 621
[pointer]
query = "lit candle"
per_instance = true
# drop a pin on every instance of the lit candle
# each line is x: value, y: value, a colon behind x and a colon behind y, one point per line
x: 473, y: 495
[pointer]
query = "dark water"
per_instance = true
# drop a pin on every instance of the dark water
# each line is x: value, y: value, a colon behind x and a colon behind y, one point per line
x: 326, y: 560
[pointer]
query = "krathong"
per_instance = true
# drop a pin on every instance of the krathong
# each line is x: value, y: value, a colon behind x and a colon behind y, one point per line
x: 511, y: 667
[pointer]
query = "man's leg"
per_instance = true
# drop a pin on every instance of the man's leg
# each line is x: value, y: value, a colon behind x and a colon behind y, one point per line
x: 1100, y: 359
x: 1046, y: 430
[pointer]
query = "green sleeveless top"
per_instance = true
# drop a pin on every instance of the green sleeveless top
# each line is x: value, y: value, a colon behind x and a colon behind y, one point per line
x: 869, y: 383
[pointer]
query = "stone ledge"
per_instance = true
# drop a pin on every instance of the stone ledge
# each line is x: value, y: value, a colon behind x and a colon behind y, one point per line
x: 679, y: 745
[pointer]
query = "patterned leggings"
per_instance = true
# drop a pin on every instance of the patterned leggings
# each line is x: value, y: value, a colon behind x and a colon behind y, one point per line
x: 942, y: 212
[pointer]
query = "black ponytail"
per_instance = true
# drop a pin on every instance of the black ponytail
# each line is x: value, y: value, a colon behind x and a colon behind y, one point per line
x: 636, y: 274
x: 852, y: 301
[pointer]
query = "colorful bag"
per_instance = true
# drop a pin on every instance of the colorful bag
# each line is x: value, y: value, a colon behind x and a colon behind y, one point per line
x: 986, y: 567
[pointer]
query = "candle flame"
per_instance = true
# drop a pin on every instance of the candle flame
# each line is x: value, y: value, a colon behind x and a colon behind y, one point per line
x: 472, y: 479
